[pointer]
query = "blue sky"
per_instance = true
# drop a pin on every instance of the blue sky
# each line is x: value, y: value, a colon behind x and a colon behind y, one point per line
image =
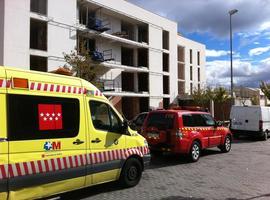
x: 207, y: 21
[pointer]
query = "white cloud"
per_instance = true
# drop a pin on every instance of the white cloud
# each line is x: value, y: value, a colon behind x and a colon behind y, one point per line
x: 216, y: 53
x: 256, y: 43
x: 244, y: 73
x: 265, y: 26
x: 258, y: 51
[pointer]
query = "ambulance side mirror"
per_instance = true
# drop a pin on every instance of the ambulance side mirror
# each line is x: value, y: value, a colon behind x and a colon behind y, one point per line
x: 124, y: 127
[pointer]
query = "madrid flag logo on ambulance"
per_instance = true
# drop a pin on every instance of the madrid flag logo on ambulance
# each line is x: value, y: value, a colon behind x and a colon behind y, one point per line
x: 50, y: 116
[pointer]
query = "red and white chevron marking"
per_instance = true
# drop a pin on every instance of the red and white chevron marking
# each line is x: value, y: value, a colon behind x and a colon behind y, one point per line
x: 47, y: 87
x: 5, y: 83
x: 43, y: 166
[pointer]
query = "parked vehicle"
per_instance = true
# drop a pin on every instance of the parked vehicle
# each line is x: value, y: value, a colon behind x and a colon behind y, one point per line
x: 250, y: 120
x: 60, y: 133
x: 184, y: 132
x: 137, y: 122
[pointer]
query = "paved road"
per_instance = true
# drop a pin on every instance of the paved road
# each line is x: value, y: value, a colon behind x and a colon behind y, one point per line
x: 242, y: 174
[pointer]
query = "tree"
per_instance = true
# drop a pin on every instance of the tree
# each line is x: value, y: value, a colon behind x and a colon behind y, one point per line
x: 202, y: 97
x: 81, y: 65
x: 221, y: 96
x: 265, y: 87
x: 255, y: 100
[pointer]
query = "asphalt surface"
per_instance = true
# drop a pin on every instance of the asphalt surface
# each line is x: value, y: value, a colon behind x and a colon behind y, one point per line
x: 242, y: 174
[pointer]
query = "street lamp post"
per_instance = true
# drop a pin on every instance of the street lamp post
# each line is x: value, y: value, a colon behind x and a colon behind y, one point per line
x: 231, y: 12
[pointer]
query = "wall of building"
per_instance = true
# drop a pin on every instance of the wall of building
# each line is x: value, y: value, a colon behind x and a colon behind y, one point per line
x: 62, y: 37
x: 2, y: 15
x: 196, y: 47
x: 17, y: 31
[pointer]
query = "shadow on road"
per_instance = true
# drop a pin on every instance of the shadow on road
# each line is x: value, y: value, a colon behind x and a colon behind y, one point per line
x: 246, y: 139
x: 91, y: 191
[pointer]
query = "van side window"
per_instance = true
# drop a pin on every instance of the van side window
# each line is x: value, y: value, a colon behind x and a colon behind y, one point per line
x: 40, y: 117
x: 104, y: 118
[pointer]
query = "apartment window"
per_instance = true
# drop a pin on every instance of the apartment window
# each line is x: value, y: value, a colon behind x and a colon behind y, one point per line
x: 88, y: 44
x: 181, y: 54
x: 199, y: 74
x: 39, y: 6
x: 165, y: 62
x: 181, y: 87
x: 127, y: 30
x: 127, y: 56
x: 166, y: 104
x: 191, y: 88
x: 143, y: 56
x: 165, y: 40
x: 190, y: 56
x: 181, y: 71
x: 198, y: 58
x: 191, y: 73
x: 38, y: 34
x: 166, y: 85
x: 39, y: 63
x: 143, y: 34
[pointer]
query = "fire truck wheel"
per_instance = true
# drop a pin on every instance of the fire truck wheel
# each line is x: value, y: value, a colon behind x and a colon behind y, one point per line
x: 131, y: 173
x: 226, y: 147
x: 195, y: 151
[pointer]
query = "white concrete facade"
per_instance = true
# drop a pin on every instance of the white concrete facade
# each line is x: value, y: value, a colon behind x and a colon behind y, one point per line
x: 63, y: 27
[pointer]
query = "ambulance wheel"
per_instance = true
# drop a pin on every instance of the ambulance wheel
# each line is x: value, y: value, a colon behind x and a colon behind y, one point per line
x: 226, y: 147
x: 131, y: 173
x: 195, y: 151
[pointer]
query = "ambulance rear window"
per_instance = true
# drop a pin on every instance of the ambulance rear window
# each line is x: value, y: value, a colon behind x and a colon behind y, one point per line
x: 40, y: 117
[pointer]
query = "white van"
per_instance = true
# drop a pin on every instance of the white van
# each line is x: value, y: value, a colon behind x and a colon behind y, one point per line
x: 250, y: 120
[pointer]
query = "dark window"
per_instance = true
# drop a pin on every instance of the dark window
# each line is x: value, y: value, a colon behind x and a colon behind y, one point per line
x: 39, y: 6
x: 165, y: 40
x: 191, y: 73
x: 104, y: 118
x: 209, y: 121
x: 166, y: 62
x: 127, y: 56
x: 38, y: 34
x: 190, y: 56
x: 199, y: 74
x: 198, y: 120
x: 36, y: 117
x: 188, y: 121
x: 166, y: 85
x: 198, y: 58
x: 39, y: 63
x: 161, y: 121
x: 191, y: 88
x: 140, y: 119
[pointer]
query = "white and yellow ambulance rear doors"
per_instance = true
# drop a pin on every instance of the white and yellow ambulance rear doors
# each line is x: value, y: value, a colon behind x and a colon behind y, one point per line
x: 3, y: 137
x: 47, y: 144
x: 107, y: 143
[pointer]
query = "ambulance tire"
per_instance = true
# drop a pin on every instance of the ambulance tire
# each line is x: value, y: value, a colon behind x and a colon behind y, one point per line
x: 195, y: 151
x: 131, y: 173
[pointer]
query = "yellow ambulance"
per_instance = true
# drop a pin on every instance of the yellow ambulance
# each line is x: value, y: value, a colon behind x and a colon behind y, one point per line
x: 60, y: 133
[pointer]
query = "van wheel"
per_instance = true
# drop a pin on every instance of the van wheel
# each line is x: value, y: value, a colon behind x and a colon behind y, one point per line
x: 265, y: 136
x: 131, y: 173
x: 226, y: 147
x: 195, y: 151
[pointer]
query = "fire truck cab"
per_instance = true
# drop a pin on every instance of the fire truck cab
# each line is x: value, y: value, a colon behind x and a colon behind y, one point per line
x: 184, y: 132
